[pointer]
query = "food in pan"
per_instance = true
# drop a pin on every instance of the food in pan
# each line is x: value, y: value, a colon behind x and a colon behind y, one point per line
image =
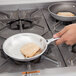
x: 66, y: 14
x: 30, y: 50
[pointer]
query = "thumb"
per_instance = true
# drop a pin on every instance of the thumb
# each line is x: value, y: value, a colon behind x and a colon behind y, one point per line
x: 59, y: 34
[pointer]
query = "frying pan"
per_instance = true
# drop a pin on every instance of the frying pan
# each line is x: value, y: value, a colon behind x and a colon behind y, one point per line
x: 12, y: 45
x: 63, y: 7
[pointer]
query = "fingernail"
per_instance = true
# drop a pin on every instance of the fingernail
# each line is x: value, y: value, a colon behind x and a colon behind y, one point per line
x: 55, y: 36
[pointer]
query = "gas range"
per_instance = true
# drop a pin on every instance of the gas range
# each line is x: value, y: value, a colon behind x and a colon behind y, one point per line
x: 39, y: 21
x: 68, y: 52
x: 27, y: 21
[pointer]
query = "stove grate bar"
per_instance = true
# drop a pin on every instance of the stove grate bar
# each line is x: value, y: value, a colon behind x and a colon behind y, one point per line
x: 3, y: 37
x: 20, y: 23
x: 3, y: 25
x: 56, y: 25
x: 50, y: 59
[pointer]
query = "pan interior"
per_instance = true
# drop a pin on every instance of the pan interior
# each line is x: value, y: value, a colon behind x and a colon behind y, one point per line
x: 13, y: 44
x: 63, y: 7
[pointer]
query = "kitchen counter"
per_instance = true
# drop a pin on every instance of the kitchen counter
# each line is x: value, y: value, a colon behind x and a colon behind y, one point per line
x: 9, y: 2
x: 69, y: 71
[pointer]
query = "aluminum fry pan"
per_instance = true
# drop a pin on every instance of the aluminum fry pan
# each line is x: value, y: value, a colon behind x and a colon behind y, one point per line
x: 13, y: 44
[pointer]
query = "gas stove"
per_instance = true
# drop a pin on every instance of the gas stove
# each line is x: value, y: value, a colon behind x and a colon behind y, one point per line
x: 68, y: 52
x: 39, y: 21
x: 27, y: 21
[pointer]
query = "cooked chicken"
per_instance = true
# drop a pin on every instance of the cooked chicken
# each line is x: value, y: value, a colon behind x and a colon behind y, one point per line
x: 66, y: 14
x: 30, y: 49
x: 38, y: 52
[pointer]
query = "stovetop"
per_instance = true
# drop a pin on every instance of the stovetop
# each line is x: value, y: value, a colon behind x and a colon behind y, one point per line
x: 27, y: 21
x: 68, y: 52
x: 37, y: 21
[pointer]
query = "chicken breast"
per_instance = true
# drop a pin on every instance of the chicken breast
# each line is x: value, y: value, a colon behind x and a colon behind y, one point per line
x: 30, y: 49
x: 66, y: 14
x: 38, y: 52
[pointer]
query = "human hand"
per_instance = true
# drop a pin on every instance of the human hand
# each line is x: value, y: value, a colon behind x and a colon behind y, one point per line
x: 67, y: 35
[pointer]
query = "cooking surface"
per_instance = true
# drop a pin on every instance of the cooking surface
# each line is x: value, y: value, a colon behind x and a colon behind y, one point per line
x: 65, y: 50
x: 37, y: 21
x: 23, y: 21
x: 27, y: 21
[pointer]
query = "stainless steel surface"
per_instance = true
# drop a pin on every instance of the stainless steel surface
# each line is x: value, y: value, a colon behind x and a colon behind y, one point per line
x: 25, y: 5
x: 66, y: 71
x: 8, y: 2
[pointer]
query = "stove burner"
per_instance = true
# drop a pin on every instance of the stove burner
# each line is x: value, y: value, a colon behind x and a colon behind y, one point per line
x: 74, y: 48
x: 18, y: 62
x: 36, y: 60
x: 48, y: 51
x: 27, y: 24
x: 64, y: 22
x: 14, y: 25
x: 67, y: 23
x: 2, y: 53
x: 60, y: 25
x: 17, y: 24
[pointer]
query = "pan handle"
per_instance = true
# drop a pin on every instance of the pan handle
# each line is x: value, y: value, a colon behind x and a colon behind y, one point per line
x: 51, y: 40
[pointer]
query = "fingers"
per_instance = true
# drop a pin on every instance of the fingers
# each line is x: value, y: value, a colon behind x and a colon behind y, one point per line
x: 69, y: 43
x: 60, y: 41
x: 62, y: 36
x: 66, y: 39
x: 67, y: 35
x: 59, y: 34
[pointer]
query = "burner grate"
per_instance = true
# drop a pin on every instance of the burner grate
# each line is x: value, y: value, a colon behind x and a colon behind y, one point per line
x: 25, y: 24
x: 3, y: 15
x: 31, y: 21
